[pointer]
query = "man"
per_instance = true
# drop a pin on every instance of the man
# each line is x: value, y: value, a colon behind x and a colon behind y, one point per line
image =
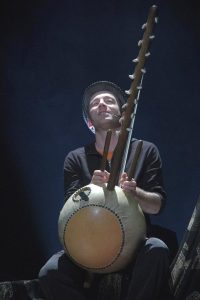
x: 60, y: 278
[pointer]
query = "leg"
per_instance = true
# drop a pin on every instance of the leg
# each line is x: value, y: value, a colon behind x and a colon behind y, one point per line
x: 60, y: 279
x: 149, y: 273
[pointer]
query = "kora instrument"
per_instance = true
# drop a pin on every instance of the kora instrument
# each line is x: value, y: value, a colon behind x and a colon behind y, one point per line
x: 102, y: 227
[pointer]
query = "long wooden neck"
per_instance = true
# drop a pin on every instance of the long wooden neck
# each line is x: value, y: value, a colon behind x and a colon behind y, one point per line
x: 132, y: 100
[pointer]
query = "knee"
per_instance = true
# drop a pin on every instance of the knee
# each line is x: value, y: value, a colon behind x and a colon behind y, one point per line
x: 156, y: 246
x: 156, y: 252
x: 51, y: 264
x: 155, y: 243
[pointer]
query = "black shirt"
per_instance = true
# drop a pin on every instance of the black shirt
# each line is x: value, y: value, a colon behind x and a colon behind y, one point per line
x: 80, y: 164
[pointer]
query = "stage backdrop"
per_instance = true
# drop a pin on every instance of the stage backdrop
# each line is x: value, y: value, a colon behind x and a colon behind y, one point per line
x: 50, y: 51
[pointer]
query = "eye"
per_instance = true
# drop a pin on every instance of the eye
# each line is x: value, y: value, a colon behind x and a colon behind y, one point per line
x: 93, y: 103
x: 110, y: 100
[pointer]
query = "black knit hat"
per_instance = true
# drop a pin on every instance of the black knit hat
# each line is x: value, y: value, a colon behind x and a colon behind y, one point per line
x: 101, y: 86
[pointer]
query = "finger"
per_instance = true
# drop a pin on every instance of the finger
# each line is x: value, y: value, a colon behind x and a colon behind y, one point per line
x: 124, y: 175
x: 98, y: 172
x: 99, y: 178
x: 123, y: 178
x: 129, y: 185
x: 106, y: 172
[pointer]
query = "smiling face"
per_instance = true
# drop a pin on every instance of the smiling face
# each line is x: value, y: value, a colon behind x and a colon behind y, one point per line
x: 104, y: 111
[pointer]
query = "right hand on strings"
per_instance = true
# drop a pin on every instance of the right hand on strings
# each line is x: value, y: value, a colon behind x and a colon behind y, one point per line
x: 100, y: 177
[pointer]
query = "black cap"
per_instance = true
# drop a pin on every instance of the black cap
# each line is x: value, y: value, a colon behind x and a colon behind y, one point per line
x: 101, y: 86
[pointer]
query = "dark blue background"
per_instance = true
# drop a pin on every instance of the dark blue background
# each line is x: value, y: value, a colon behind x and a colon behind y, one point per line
x: 50, y: 51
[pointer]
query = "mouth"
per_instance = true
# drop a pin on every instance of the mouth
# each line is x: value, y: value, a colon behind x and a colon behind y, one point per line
x: 104, y: 113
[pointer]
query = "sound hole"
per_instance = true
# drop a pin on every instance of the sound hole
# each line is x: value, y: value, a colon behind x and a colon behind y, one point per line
x: 82, y: 194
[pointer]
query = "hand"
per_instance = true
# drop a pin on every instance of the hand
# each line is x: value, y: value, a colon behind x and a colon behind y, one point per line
x: 128, y: 185
x: 100, y: 177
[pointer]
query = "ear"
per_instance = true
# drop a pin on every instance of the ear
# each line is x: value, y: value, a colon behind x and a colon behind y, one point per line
x: 90, y: 125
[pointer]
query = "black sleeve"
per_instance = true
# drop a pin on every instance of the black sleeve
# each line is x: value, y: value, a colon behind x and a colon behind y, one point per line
x: 72, y: 175
x: 152, y: 179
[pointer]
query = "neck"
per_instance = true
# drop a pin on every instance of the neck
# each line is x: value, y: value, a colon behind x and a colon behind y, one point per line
x: 100, y: 140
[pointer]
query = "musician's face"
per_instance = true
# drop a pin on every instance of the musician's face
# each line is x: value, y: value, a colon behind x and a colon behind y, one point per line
x: 104, y: 111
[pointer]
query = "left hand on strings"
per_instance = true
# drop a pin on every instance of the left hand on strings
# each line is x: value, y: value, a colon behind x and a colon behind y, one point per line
x: 127, y: 185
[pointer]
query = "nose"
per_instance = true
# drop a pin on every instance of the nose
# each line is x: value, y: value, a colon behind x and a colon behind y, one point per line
x: 102, y: 102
